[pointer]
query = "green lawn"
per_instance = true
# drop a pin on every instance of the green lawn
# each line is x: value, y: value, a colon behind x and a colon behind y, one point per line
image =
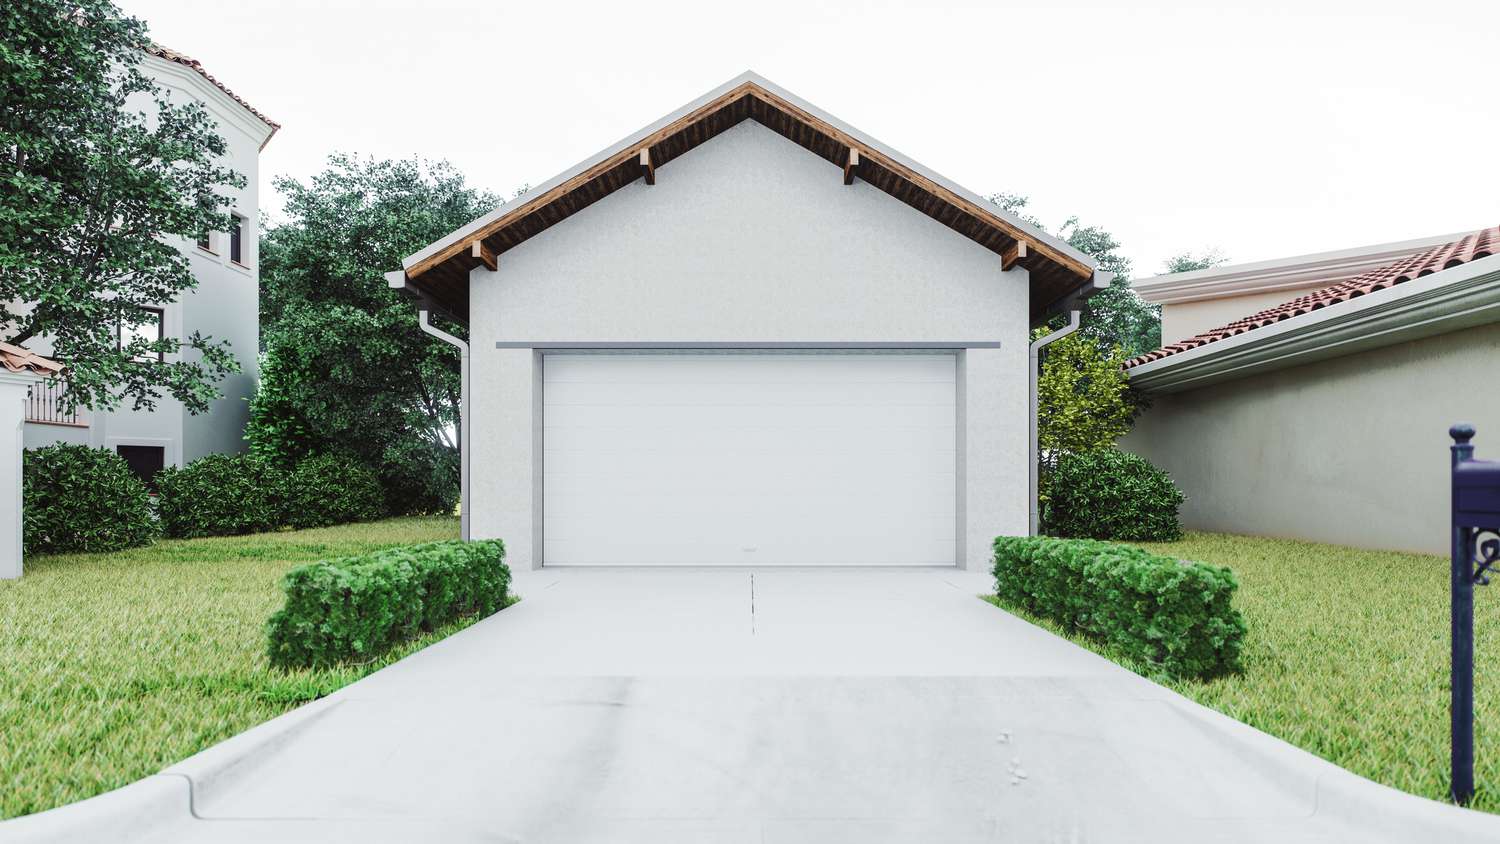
x: 117, y: 665
x: 1347, y: 657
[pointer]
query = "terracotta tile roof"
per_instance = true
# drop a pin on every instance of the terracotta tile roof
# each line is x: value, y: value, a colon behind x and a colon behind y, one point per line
x: 17, y: 359
x: 1480, y: 244
x: 188, y: 61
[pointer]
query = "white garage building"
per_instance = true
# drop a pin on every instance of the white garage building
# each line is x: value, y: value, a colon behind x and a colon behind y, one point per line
x: 747, y: 334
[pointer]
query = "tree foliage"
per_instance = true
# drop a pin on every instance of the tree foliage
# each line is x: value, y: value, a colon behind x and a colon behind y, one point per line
x: 1115, y: 316
x: 1188, y: 262
x: 1083, y: 398
x: 102, y: 179
x: 347, y: 370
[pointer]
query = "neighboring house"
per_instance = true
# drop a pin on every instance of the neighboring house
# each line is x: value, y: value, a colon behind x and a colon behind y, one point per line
x: 1325, y: 417
x: 748, y: 334
x: 225, y: 306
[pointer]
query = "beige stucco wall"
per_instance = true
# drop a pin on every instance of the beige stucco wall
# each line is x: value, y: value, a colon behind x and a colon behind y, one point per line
x: 1187, y: 319
x: 1352, y: 450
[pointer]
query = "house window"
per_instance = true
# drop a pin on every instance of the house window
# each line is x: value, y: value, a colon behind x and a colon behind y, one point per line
x: 151, y: 330
x: 144, y: 461
x: 236, y: 239
x: 205, y: 242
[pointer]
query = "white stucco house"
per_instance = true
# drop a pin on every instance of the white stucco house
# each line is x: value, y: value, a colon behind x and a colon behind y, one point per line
x: 1310, y: 397
x: 225, y: 305
x: 747, y: 334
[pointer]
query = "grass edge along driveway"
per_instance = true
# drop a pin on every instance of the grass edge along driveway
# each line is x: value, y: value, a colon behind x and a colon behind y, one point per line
x: 1346, y: 657
x: 118, y: 665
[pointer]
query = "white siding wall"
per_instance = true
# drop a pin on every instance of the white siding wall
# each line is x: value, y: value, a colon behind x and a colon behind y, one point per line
x: 747, y: 238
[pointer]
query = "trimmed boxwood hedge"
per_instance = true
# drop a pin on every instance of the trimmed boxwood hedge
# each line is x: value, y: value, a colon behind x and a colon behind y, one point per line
x: 1171, y: 613
x: 351, y: 609
x: 82, y: 499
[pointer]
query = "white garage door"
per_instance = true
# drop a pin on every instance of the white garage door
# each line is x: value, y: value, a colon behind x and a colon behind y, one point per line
x: 749, y: 459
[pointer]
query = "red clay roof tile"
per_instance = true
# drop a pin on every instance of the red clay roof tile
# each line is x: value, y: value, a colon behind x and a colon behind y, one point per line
x: 18, y: 359
x: 1480, y: 244
x: 188, y: 61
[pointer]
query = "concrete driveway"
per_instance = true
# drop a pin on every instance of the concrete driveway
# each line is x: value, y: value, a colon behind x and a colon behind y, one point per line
x: 757, y: 706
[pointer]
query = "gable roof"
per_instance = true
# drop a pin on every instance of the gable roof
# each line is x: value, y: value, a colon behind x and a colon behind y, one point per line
x: 1480, y: 244
x: 193, y: 64
x: 1058, y: 272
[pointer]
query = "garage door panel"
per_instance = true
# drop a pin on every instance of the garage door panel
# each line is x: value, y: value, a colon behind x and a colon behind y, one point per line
x: 758, y: 459
x: 737, y: 367
x: 795, y: 551
x: 865, y: 437
x: 758, y: 500
x: 749, y: 415
x: 866, y: 394
x: 738, y: 466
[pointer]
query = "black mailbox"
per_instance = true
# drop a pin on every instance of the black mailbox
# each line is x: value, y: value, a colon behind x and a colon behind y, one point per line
x: 1476, y: 550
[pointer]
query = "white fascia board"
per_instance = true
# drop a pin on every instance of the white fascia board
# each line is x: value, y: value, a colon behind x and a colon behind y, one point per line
x: 225, y: 107
x: 25, y: 377
x: 1320, y: 268
x: 1453, y: 299
x: 631, y: 141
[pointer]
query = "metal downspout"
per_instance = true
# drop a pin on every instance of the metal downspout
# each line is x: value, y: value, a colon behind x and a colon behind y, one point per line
x: 463, y: 412
x: 1033, y: 368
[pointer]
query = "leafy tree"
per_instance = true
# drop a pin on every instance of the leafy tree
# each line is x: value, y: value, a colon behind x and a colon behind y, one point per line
x: 1115, y: 316
x: 102, y: 178
x: 1083, y: 400
x: 347, y: 370
x: 1188, y: 262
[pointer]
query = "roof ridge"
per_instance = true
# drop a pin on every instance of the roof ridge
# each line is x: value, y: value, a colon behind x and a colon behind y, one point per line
x: 1472, y: 246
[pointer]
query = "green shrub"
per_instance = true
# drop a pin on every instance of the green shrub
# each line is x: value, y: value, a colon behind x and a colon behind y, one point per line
x: 332, y: 490
x: 419, y: 479
x: 83, y: 499
x: 353, y: 608
x: 221, y: 495
x: 1111, y: 494
x: 1171, y: 613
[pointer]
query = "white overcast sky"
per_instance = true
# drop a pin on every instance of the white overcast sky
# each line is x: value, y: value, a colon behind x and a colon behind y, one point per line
x: 1263, y: 128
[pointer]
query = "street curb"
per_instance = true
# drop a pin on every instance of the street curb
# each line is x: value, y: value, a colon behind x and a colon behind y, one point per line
x: 147, y: 809
x: 1344, y: 796
x: 141, y: 811
x: 220, y: 765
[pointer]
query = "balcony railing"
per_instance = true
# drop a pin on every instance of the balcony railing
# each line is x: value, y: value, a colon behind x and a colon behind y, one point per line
x: 45, y: 405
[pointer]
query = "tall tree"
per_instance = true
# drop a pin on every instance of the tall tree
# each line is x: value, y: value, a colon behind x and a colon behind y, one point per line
x: 347, y: 369
x: 1115, y: 316
x: 1188, y: 262
x: 102, y: 179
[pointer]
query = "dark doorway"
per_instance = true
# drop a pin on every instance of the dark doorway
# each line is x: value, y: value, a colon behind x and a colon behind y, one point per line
x: 145, y: 461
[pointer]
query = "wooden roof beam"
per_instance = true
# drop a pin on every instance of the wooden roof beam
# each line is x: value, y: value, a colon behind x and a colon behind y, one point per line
x: 484, y: 255
x: 1016, y: 253
x: 648, y: 169
x: 851, y: 166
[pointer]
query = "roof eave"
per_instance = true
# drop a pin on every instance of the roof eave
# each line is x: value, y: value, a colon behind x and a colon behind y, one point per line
x: 535, y: 197
x: 1448, y: 300
x: 1295, y: 272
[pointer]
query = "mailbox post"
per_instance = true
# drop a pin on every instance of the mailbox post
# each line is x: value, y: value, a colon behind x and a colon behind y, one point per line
x: 1476, y: 551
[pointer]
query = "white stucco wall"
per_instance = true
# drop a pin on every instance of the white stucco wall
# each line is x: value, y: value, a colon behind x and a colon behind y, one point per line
x: 747, y: 238
x: 1352, y: 450
x: 225, y: 305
